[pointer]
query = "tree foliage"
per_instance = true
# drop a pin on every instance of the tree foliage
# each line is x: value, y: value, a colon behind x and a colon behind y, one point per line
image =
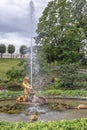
x: 60, y: 31
x: 2, y: 49
x: 69, y: 76
x: 23, y: 50
x: 11, y: 49
x: 79, y: 14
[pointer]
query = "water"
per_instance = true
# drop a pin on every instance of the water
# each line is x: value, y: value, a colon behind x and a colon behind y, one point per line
x: 31, y: 21
x: 45, y: 114
x: 33, y: 50
x: 48, y: 116
x: 34, y: 67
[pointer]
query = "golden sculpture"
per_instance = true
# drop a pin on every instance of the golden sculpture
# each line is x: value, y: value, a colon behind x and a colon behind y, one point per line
x: 27, y: 90
x: 34, y: 117
x: 29, y: 96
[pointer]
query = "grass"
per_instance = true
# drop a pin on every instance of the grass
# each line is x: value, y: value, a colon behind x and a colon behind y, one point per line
x: 13, y: 94
x: 74, y: 93
x: 7, y: 64
x: 62, y: 92
x: 7, y: 94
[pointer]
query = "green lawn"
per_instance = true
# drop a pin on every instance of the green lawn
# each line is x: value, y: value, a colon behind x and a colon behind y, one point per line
x: 7, y: 64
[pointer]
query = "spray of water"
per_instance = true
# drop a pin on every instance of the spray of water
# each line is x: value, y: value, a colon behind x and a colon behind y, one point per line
x: 31, y: 28
x: 36, y: 78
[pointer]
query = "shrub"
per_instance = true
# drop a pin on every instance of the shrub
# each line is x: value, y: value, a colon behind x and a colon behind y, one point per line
x: 2, y: 86
x: 69, y: 75
x: 13, y: 86
x: 53, y: 84
x: 14, y: 74
x: 76, y: 124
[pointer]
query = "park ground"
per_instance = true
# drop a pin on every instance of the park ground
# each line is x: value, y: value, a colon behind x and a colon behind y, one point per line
x: 5, y: 65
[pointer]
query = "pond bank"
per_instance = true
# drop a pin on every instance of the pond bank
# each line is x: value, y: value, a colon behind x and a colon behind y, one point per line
x: 55, y: 97
x: 67, y: 97
x: 47, y: 114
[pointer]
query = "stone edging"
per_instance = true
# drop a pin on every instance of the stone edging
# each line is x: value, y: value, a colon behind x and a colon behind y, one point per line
x: 66, y: 97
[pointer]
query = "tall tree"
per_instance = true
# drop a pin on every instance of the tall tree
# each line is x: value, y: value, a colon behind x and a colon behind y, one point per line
x: 58, y: 33
x: 11, y: 49
x: 2, y: 49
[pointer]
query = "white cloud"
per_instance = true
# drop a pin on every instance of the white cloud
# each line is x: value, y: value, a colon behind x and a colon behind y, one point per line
x: 15, y: 39
x: 15, y: 21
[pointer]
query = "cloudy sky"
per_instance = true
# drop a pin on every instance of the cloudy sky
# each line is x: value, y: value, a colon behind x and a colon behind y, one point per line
x: 15, y: 20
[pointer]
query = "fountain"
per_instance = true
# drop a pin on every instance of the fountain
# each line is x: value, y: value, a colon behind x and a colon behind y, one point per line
x: 27, y: 104
x: 29, y: 97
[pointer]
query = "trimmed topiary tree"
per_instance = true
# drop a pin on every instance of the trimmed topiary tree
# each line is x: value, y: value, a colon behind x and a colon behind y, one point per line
x: 2, y: 49
x: 11, y: 49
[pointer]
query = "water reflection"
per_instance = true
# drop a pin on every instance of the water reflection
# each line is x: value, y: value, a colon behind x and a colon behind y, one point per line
x: 45, y: 114
x: 49, y: 116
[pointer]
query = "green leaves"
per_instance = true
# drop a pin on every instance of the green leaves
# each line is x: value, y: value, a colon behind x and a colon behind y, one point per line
x: 69, y: 75
x: 2, y: 49
x: 10, y: 94
x: 59, y: 27
x: 23, y: 50
x: 63, y: 92
x: 14, y: 74
x: 79, y: 124
x: 11, y: 49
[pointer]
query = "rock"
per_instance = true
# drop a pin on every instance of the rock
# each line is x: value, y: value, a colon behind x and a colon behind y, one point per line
x: 40, y: 99
x: 81, y: 106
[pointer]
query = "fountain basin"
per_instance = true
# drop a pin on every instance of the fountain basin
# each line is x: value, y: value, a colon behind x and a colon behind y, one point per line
x: 48, y: 114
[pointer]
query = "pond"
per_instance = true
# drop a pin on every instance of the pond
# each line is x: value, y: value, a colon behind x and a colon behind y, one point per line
x: 46, y: 112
